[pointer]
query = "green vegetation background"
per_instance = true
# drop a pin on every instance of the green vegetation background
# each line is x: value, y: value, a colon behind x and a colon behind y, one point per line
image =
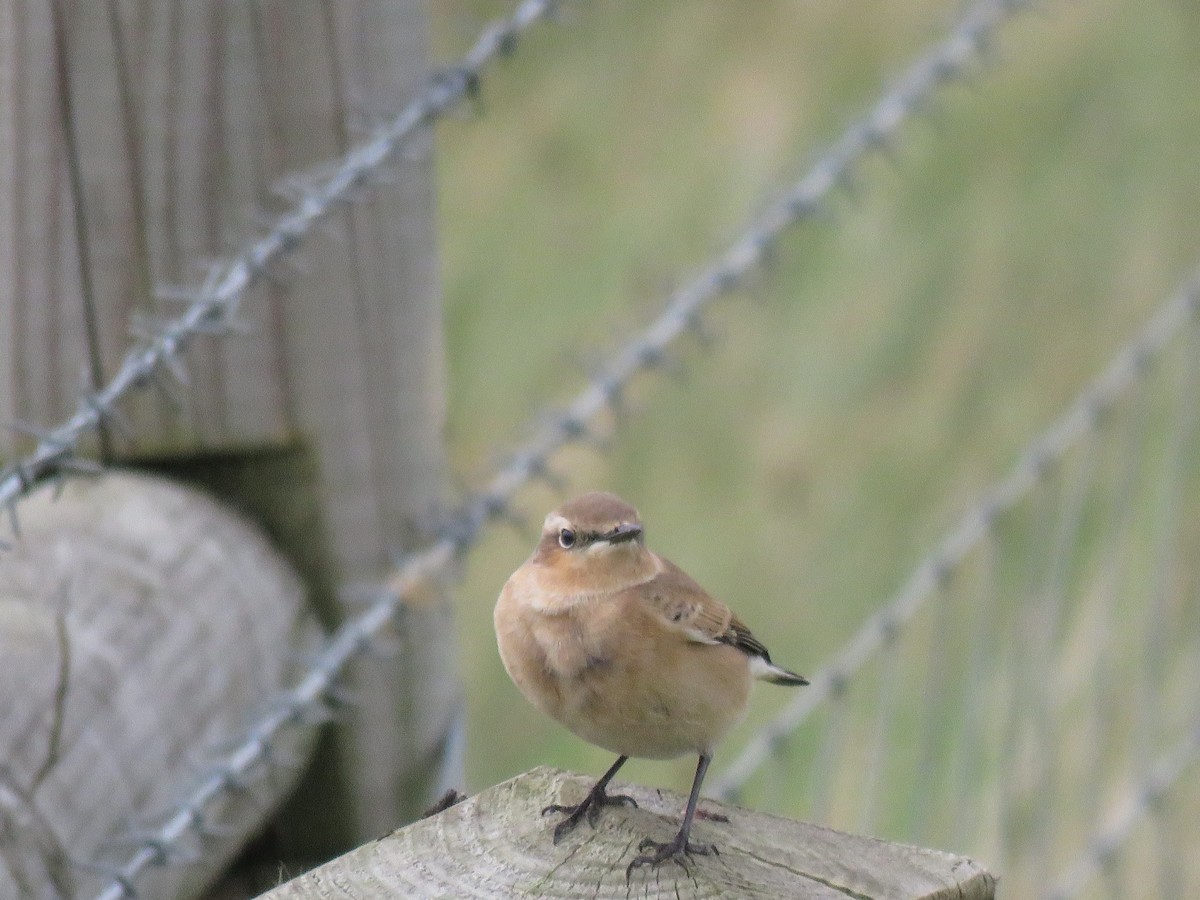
x: 893, y: 361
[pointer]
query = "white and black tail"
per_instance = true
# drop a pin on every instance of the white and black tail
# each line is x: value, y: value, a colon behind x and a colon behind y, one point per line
x: 763, y: 669
x: 761, y: 666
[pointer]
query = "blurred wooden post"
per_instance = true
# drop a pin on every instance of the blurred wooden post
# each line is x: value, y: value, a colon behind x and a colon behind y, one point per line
x: 139, y: 137
x: 139, y: 622
x: 497, y: 844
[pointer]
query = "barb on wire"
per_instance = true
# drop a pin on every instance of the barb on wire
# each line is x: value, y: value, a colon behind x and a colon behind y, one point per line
x: 1105, y: 844
x: 944, y: 62
x: 1040, y: 455
x: 212, y: 308
x: 255, y: 751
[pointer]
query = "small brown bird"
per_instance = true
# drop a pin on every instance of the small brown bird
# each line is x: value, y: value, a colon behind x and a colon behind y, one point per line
x: 622, y: 647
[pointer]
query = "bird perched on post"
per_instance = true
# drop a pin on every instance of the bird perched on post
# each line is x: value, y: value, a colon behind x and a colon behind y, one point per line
x: 622, y: 647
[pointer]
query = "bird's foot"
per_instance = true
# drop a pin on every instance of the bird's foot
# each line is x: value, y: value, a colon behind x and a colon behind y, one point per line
x: 589, y: 808
x: 677, y: 850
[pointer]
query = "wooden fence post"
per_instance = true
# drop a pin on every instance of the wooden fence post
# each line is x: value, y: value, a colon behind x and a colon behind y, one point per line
x: 497, y: 844
x: 139, y: 623
x: 140, y: 138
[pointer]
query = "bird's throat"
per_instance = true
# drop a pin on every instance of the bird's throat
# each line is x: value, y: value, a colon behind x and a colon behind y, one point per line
x: 568, y: 583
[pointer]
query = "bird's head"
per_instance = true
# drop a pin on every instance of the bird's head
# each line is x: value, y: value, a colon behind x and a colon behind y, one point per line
x: 596, y: 538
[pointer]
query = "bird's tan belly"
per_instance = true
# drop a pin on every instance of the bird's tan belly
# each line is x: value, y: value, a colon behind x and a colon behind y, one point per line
x: 656, y: 721
x: 589, y: 668
x: 683, y: 708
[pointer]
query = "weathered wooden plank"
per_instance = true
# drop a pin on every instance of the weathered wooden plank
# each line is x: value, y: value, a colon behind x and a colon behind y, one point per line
x: 141, y: 624
x: 362, y: 361
x: 184, y: 116
x: 497, y: 844
x: 41, y: 323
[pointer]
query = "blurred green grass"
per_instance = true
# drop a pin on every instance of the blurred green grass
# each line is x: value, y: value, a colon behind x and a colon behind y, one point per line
x: 898, y: 354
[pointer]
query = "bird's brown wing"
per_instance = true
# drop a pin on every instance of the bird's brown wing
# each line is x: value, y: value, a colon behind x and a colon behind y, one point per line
x: 683, y: 605
x: 741, y: 637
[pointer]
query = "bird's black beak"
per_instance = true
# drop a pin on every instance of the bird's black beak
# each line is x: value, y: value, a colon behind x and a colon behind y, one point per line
x: 624, y: 532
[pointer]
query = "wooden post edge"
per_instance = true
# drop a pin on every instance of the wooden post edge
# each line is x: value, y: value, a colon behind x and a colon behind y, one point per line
x: 497, y: 843
x: 142, y: 624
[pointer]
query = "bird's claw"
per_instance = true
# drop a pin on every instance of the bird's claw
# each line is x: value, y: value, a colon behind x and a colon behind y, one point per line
x: 677, y: 850
x: 618, y: 800
x: 589, y: 808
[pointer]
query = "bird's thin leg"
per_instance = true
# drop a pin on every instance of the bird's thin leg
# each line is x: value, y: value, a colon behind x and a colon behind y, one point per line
x: 679, y: 848
x: 590, y: 807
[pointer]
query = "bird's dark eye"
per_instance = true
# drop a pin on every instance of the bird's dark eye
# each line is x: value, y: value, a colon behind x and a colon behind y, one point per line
x: 566, y: 539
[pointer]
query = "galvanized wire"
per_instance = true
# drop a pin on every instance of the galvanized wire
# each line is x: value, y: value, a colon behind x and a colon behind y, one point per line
x: 1039, y: 457
x: 947, y: 61
x: 1102, y: 847
x: 213, y: 307
x: 1100, y: 646
x: 1096, y: 652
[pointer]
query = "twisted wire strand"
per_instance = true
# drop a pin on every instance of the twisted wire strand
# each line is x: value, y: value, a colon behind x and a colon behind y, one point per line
x: 212, y: 308
x: 973, y: 527
x: 946, y: 61
x: 1106, y: 843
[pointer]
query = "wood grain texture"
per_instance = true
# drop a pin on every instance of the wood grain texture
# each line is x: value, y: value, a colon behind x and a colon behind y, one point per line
x: 141, y: 624
x: 497, y: 844
x: 183, y: 116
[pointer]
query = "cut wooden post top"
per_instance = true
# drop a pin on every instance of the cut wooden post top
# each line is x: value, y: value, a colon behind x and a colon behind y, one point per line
x: 498, y: 844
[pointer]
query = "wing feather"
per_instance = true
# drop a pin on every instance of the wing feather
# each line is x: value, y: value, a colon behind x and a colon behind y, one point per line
x: 688, y: 607
x: 683, y: 605
x: 741, y: 637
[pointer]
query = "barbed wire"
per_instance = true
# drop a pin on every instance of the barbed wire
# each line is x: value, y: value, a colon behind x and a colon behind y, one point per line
x: 946, y: 61
x: 1038, y: 459
x: 212, y: 308
x: 1104, y: 845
